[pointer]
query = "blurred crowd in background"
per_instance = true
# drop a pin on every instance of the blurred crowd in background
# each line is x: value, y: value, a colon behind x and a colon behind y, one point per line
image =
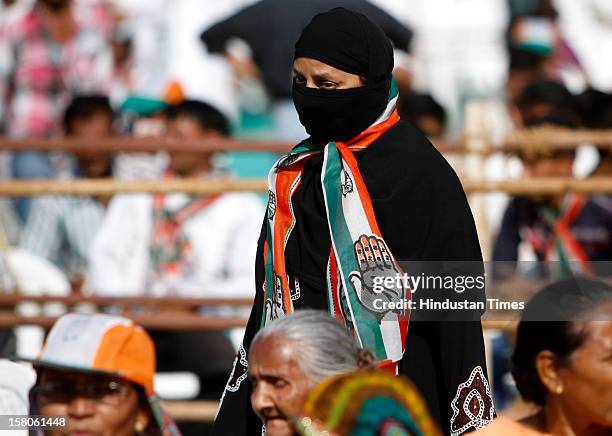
x: 215, y: 69
x: 98, y: 68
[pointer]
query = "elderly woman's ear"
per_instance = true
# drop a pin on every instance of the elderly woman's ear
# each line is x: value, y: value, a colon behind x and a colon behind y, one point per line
x: 547, y: 365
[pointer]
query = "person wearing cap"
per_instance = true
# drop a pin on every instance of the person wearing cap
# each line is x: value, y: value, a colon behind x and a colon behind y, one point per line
x: 364, y: 192
x: 97, y: 370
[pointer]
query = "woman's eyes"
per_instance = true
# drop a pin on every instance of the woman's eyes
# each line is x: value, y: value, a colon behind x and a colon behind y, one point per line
x: 329, y: 85
x: 300, y: 80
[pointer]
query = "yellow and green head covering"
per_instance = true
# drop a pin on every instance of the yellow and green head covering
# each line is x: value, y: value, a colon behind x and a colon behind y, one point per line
x: 367, y: 403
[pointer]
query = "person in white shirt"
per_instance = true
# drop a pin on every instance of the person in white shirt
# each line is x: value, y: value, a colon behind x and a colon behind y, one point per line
x: 182, y: 245
x: 178, y: 244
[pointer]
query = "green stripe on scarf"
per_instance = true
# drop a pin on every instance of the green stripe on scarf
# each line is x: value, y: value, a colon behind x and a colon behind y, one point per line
x: 269, y: 271
x: 364, y: 321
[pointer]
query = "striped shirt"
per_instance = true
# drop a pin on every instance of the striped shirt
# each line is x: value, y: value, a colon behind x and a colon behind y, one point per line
x: 61, y: 229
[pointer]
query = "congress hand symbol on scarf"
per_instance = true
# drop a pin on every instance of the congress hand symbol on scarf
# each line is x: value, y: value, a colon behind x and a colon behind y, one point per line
x: 359, y: 254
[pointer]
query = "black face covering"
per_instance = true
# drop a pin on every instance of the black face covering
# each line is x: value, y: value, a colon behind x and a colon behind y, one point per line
x: 341, y: 114
x: 350, y: 42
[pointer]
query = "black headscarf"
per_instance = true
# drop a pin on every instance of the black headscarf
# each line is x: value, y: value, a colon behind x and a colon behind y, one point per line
x: 348, y: 41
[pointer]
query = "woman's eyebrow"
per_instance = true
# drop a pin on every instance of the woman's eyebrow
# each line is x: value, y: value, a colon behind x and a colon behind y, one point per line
x: 323, y: 76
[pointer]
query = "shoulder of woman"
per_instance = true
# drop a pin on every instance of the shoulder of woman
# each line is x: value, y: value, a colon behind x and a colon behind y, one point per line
x: 404, y: 150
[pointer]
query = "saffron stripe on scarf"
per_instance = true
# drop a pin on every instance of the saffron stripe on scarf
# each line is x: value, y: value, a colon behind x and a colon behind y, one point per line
x: 284, y: 220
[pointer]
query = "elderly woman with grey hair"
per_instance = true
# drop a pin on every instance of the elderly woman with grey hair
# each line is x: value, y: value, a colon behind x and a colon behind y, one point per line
x: 289, y: 357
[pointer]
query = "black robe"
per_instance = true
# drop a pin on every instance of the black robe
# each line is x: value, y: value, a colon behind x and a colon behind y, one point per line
x: 423, y: 214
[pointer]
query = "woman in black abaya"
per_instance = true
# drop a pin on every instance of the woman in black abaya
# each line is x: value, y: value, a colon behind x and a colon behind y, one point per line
x: 366, y: 196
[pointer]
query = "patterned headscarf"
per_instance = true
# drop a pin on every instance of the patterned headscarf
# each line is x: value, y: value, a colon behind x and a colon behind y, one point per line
x: 366, y: 403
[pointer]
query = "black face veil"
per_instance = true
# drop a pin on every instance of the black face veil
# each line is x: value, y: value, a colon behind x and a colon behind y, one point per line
x: 350, y: 42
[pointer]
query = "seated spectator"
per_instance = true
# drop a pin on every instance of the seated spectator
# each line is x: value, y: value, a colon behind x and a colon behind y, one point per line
x: 573, y: 229
x: 424, y: 112
x: 380, y: 404
x: 537, y: 31
x: 62, y: 228
x: 287, y: 358
x: 562, y: 358
x: 176, y: 243
x: 97, y: 371
x: 544, y: 98
x: 141, y: 116
x: 71, y: 57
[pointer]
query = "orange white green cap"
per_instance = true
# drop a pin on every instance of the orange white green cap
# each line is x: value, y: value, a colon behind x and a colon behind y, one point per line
x: 101, y: 344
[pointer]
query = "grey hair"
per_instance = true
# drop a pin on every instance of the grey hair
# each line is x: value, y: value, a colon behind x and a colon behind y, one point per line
x: 326, y: 347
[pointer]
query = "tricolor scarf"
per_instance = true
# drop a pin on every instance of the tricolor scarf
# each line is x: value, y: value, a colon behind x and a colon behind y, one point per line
x: 170, y: 249
x: 567, y: 247
x: 559, y: 243
x: 358, y: 253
